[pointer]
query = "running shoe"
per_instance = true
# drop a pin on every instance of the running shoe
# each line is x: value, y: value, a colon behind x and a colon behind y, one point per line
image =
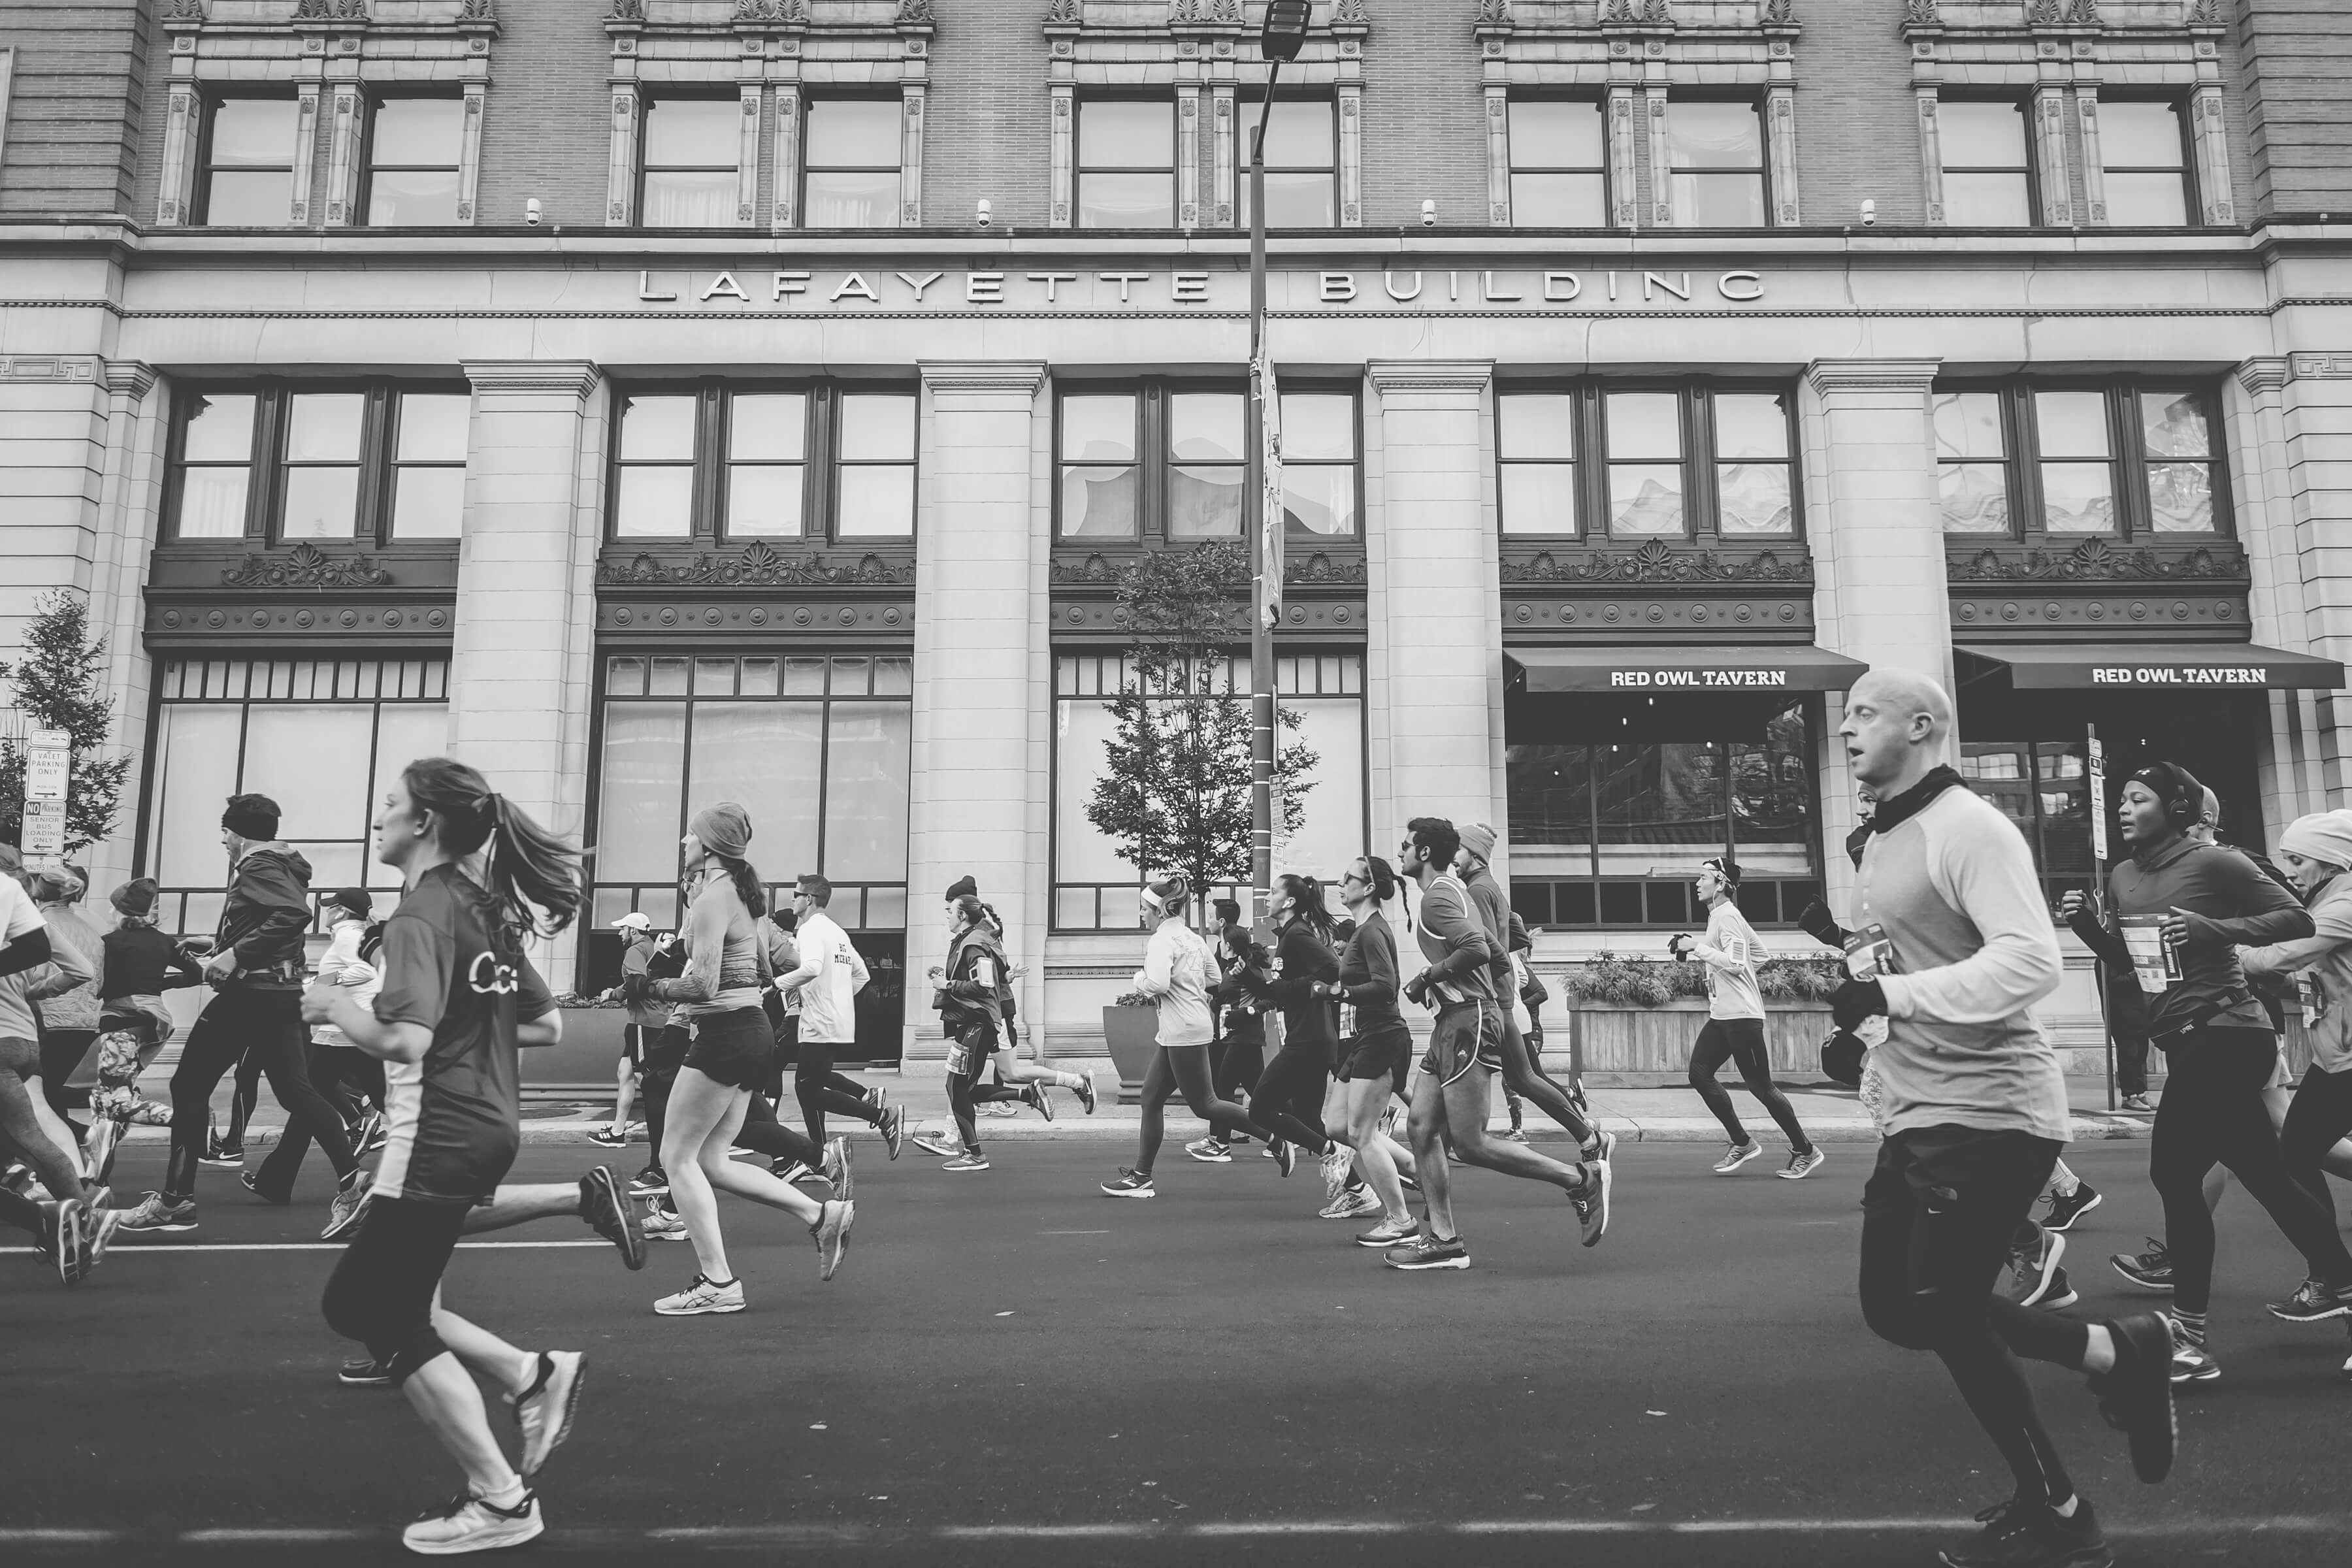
x: 1408, y: 1180
x: 154, y: 1214
x: 1515, y: 1135
x: 649, y: 1183
x: 1576, y: 1097
x: 2034, y: 1270
x: 468, y: 1524
x: 1131, y: 1184
x: 1737, y: 1155
x: 1210, y: 1151
x: 370, y: 1135
x: 1040, y: 1096
x: 701, y: 1297
x: 1601, y: 1149
x: 1592, y: 1202
x: 876, y: 1096
x: 663, y: 1223
x: 221, y: 1155
x: 997, y: 1108
x: 545, y: 1409
x: 364, y: 1371
x: 98, y: 1226
x: 742, y: 1152
x: 63, y: 1241
x: 2138, y: 1103
x: 609, y: 1139
x: 2136, y: 1397
x: 1087, y: 1092
x: 1423, y: 1250
x: 2192, y: 1362
x: 939, y: 1141
x: 970, y: 1160
x: 2066, y: 1208
x: 611, y: 1215
x: 2150, y: 1270
x: 1338, y: 1164
x: 1286, y: 1156
x: 785, y: 1170
x: 836, y: 1167
x: 251, y: 1183
x: 893, y: 1127
x: 2024, y: 1532
x: 2061, y: 1293
x: 1388, y: 1234
x: 831, y: 1233
x: 1349, y: 1205
x: 1800, y: 1166
x: 349, y: 1205
x: 2313, y: 1302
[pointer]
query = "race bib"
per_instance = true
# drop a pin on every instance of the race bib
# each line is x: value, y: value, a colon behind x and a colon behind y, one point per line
x: 2154, y: 962
x: 1347, y: 1020
x: 1869, y: 952
x: 2312, y: 999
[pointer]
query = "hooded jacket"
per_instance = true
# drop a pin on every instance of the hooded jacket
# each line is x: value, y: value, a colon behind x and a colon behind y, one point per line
x: 266, y: 917
x: 2227, y: 901
x: 974, y: 982
x: 2320, y: 966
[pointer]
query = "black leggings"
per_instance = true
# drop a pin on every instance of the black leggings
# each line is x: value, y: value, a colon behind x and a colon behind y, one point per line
x: 325, y: 1065
x: 62, y: 1051
x: 269, y: 1025
x: 1184, y: 1069
x: 763, y: 1134
x: 381, y: 1292
x: 819, y: 1088
x: 1237, y: 1062
x: 2212, y: 1111
x: 664, y: 1054
x: 244, y: 1092
x: 1938, y: 1216
x: 21, y: 1126
x: 2316, y: 1118
x: 1741, y: 1040
x: 1522, y: 1075
x: 975, y: 1053
x: 1288, y: 1102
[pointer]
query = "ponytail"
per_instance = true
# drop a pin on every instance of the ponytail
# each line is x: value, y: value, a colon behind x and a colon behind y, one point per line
x: 747, y: 886
x: 533, y: 876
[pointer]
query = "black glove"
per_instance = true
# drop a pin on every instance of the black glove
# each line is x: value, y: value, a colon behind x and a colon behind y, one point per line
x: 1679, y: 945
x: 1842, y: 1056
x: 1820, y: 925
x: 1856, y: 1000
x: 635, y: 989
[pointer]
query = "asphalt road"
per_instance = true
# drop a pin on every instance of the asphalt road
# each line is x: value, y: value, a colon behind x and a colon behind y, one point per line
x: 1013, y: 1369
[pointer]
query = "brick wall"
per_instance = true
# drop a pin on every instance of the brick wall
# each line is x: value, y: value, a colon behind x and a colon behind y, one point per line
x: 546, y: 132
x: 74, y: 107
x: 2295, y: 117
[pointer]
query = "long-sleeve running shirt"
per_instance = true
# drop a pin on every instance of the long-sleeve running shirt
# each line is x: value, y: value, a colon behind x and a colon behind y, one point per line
x: 2228, y: 903
x: 1175, y: 975
x: 1453, y: 941
x: 1731, y: 989
x: 1309, y: 1021
x: 1368, y: 970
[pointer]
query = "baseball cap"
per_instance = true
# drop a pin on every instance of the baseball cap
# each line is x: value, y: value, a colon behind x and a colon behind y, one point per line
x: 633, y: 920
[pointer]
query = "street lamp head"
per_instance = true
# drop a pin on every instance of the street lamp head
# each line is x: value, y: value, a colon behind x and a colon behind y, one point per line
x: 1285, y: 32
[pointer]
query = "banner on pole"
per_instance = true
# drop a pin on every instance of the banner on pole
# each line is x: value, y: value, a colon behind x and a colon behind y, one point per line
x: 1270, y: 509
x: 2098, y: 771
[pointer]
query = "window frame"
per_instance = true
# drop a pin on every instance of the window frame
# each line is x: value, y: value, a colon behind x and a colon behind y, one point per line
x: 2128, y: 459
x: 645, y: 167
x: 809, y: 103
x: 228, y: 92
x: 1946, y: 167
x: 1247, y: 104
x: 1513, y: 167
x: 2180, y: 108
x: 1758, y: 104
x: 820, y: 463
x: 372, y: 100
x: 265, y: 495
x: 1699, y: 461
x: 1079, y: 168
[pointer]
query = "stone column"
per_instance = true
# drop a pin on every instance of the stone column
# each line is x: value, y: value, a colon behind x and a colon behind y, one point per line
x: 1433, y: 675
x: 980, y: 780
x: 1878, y: 547
x: 2253, y: 436
x: 521, y: 666
x: 130, y: 500
x: 2315, y: 409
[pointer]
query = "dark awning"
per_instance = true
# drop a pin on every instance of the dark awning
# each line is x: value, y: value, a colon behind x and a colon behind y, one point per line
x: 2187, y: 667
x: 1686, y: 668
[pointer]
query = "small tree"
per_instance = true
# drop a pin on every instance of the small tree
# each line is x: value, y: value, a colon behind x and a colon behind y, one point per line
x: 1175, y: 790
x: 61, y: 685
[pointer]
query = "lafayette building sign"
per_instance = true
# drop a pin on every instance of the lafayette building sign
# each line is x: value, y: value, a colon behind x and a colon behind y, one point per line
x: 1077, y: 290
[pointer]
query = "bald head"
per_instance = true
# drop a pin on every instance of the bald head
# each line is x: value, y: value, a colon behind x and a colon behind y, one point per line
x: 1897, y: 724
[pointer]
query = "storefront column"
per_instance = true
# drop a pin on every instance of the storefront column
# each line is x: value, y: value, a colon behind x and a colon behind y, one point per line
x: 1878, y: 548
x: 2315, y: 417
x: 523, y: 655
x: 129, y: 498
x: 2255, y: 429
x: 981, y: 784
x: 1433, y: 649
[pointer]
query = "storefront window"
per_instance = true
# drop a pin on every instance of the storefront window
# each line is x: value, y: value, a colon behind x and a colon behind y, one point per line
x: 1094, y: 890
x: 323, y: 738
x: 2068, y: 463
x: 1302, y: 182
x: 821, y: 462
x: 851, y: 178
x: 2044, y: 787
x: 1560, y: 163
x: 374, y: 463
x: 1127, y: 163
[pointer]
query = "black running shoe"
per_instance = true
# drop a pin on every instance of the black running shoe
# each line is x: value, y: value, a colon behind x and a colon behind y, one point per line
x: 1040, y: 1100
x: 252, y: 1183
x: 2150, y: 1270
x: 2064, y: 1211
x: 2136, y: 1398
x: 2313, y: 1302
x: 611, y: 1215
x: 608, y: 1138
x: 649, y: 1183
x: 2030, y: 1533
x: 364, y: 1371
x: 1424, y: 1251
x: 1129, y: 1183
x: 1286, y: 1158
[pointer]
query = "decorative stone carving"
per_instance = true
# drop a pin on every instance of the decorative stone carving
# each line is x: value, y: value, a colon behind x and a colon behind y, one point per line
x: 628, y: 11
x: 1493, y: 12
x: 1066, y: 13
x: 1921, y: 13
x: 1657, y: 562
x: 1777, y: 12
x: 759, y: 566
x: 306, y: 566
x: 184, y: 11
x: 2081, y: 13
x: 2097, y: 560
x: 1316, y: 569
x: 1348, y: 13
x: 914, y: 13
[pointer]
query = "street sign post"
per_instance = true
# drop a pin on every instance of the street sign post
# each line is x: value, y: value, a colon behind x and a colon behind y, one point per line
x: 2098, y: 770
x: 49, y: 772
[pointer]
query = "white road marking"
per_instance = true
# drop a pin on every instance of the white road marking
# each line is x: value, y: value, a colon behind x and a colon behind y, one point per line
x: 131, y: 1249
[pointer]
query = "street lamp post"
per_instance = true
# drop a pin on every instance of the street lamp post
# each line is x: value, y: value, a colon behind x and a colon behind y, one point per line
x: 1279, y: 40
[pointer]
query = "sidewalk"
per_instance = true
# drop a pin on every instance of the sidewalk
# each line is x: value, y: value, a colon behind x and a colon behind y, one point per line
x: 1670, y: 1115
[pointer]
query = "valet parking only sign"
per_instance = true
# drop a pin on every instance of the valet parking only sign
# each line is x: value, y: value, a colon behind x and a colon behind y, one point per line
x: 49, y: 767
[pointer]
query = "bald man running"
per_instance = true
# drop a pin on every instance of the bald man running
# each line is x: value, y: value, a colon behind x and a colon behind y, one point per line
x: 1951, y: 944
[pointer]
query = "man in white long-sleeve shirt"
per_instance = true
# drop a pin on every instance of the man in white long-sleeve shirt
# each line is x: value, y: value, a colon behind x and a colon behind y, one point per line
x: 1951, y: 943
x: 830, y: 976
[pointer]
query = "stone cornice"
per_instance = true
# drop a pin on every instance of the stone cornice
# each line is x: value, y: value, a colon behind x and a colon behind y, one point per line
x: 999, y: 378
x: 128, y: 375
x: 2266, y: 374
x: 1388, y: 376
x: 1828, y: 375
x: 2095, y: 560
x: 757, y: 565
x: 576, y: 377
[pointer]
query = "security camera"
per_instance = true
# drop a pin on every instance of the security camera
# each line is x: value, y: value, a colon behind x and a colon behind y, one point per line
x: 1869, y: 213
x: 531, y: 211
x: 983, y: 214
x: 1428, y: 214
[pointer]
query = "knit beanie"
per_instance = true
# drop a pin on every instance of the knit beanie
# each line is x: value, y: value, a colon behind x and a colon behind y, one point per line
x: 725, y: 829
x: 2323, y: 836
x: 963, y: 888
x: 253, y: 816
x: 1479, y: 839
x: 135, y: 899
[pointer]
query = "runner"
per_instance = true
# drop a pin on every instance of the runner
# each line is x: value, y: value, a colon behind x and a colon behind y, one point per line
x: 1953, y: 948
x: 1734, y: 1029
x: 141, y: 963
x: 1238, y: 1054
x: 645, y: 1021
x: 2188, y: 905
x: 1377, y: 1053
x: 1305, y: 987
x: 256, y: 970
x: 1175, y: 975
x: 830, y: 976
x: 972, y: 997
x: 1466, y: 1045
x: 726, y: 968
x: 68, y: 1018
x: 346, y: 913
x: 459, y: 998
x: 72, y: 1227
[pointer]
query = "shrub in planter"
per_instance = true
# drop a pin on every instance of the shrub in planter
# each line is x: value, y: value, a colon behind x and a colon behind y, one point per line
x: 1637, y: 1016
x: 1618, y: 980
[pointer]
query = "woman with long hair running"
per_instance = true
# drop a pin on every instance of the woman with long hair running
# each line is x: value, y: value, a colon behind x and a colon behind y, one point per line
x: 1377, y: 1054
x: 731, y: 1048
x: 458, y: 998
x: 1289, y: 1096
x: 1175, y: 975
x: 972, y: 987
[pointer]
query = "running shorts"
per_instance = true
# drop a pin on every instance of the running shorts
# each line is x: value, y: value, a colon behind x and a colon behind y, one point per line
x: 1467, y: 1035
x: 734, y: 1047
x: 1385, y: 1049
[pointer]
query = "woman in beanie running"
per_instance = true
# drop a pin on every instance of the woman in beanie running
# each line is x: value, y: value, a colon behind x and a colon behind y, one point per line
x: 256, y: 966
x: 732, y: 1046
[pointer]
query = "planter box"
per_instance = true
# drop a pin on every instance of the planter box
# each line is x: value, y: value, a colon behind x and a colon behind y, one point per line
x: 1647, y: 1047
x: 1131, y: 1034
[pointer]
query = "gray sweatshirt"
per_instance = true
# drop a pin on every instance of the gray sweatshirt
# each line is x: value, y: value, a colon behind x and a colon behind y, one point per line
x: 1953, y: 889
x: 2321, y: 968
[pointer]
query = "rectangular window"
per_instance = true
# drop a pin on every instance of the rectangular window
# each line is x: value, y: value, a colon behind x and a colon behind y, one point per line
x: 429, y: 465
x: 415, y: 148
x: 2077, y: 462
x: 1560, y: 163
x: 248, y: 163
x: 1716, y: 150
x: 323, y: 738
x: 1205, y: 461
x: 1127, y: 163
x: 1535, y: 447
x: 1097, y: 481
x: 377, y: 463
x: 692, y: 149
x: 319, y: 475
x: 2044, y: 787
x: 1645, y: 464
x: 1318, y: 465
x: 1754, y: 482
x: 2146, y: 155
x: 874, y: 483
x: 1633, y: 463
x: 654, y: 489
x: 1302, y: 157
x: 2123, y: 461
x: 767, y: 467
x: 819, y: 462
x: 1094, y: 890
x: 1971, y: 462
x: 2177, y: 446
x: 216, y: 473
x: 852, y: 163
x: 1987, y: 174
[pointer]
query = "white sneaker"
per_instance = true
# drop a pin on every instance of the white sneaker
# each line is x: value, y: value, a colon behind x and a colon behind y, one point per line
x: 545, y: 1413
x: 702, y: 1296
x: 468, y: 1523
x: 1337, y: 1167
x: 1739, y: 1154
x: 664, y: 1224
